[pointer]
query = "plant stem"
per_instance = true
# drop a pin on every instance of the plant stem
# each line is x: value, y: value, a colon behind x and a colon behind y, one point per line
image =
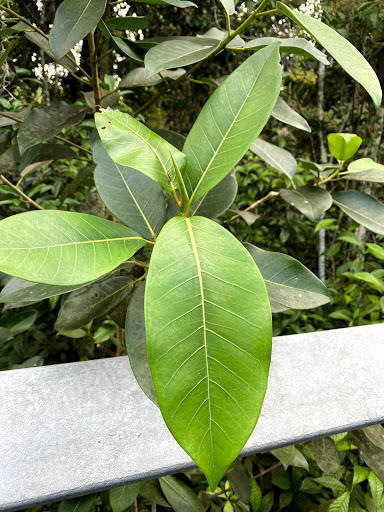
x: 18, y: 191
x: 256, y: 477
x: 270, y: 194
x: 222, y: 45
x: 228, y: 22
x: 36, y: 29
x: 120, y: 340
x: 94, y: 71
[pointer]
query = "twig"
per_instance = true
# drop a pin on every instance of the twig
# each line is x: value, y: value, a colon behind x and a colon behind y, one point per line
x: 254, y: 205
x: 18, y: 191
x: 94, y: 71
x: 256, y: 477
x: 222, y: 45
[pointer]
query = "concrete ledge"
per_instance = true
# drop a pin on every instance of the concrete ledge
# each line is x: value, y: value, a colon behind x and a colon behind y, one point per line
x: 73, y: 429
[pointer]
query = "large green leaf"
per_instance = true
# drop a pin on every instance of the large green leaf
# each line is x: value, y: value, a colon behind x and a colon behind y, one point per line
x: 128, y: 142
x: 278, y: 158
x: 135, y: 341
x: 208, y: 327
x: 289, y: 283
x: 136, y: 78
x: 43, y: 123
x: 63, y: 248
x: 18, y: 290
x: 284, y: 113
x: 365, y: 169
x: 230, y: 121
x: 178, y: 53
x: 121, y: 498
x: 135, y: 199
x: 83, y: 504
x: 343, y: 145
x: 240, y: 482
x: 375, y: 433
x: 349, y: 58
x: 309, y: 200
x: 326, y: 455
x: 180, y: 496
x: 74, y: 19
x: 362, y: 208
x: 295, y: 45
x: 373, y: 456
x: 98, y: 299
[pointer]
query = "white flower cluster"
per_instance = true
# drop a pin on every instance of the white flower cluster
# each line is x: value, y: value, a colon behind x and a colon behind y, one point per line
x: 312, y: 8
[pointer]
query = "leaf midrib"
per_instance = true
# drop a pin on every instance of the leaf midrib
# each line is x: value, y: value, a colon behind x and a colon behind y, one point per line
x: 72, y: 243
x: 342, y: 205
x: 198, y: 266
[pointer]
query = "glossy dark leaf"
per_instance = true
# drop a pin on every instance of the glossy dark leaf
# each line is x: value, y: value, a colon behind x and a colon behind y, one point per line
x: 373, y: 455
x: 74, y: 19
x: 289, y: 283
x: 19, y: 322
x: 362, y: 208
x: 309, y: 200
x: 240, y: 482
x: 135, y: 341
x: 18, y: 290
x: 98, y: 299
x: 125, y: 46
x: 41, y: 152
x: 278, y: 158
x: 130, y: 195
x: 43, y: 123
x: 82, y: 504
x: 152, y: 492
x: 133, y: 23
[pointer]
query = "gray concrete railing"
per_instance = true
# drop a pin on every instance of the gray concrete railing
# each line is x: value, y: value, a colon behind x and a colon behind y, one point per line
x: 73, y: 429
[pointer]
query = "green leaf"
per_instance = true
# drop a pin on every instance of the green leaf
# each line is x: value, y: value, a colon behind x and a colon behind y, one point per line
x: 18, y: 290
x: 135, y: 341
x: 63, y: 248
x: 223, y: 132
x: 341, y: 504
x: 331, y: 482
x: 256, y: 496
x: 229, y: 6
x: 278, y: 158
x: 365, y: 169
x: 360, y: 474
x: 128, y: 142
x: 43, y: 123
x: 290, y: 456
x: 375, y: 434
x: 178, y: 53
x: 362, y: 208
x: 74, y: 19
x: 5, y: 335
x: 98, y: 299
x: 133, y: 23
x: 267, y: 502
x: 343, y: 145
x: 210, y: 297
x: 120, y: 498
x: 326, y: 455
x: 295, y: 45
x: 179, y: 495
x: 349, y: 58
x: 289, y: 283
x: 376, y: 487
x: 240, y: 482
x: 366, y: 277
x: 19, y: 322
x: 130, y: 195
x: 310, y: 201
x: 41, y: 152
x: 152, y: 492
x: 176, y: 3
x: 284, y: 113
x: 372, y: 455
x: 83, y: 504
x: 136, y: 78
x: 126, y: 46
